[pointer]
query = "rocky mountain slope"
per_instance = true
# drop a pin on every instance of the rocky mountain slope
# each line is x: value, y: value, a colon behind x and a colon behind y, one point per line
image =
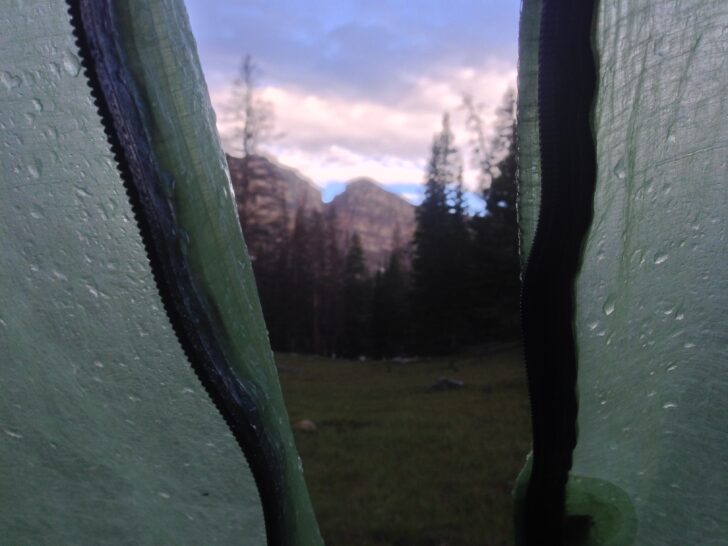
x: 382, y: 219
x: 268, y: 193
x: 271, y: 190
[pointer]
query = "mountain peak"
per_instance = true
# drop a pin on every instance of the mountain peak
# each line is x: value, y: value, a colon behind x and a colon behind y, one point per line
x: 363, y: 185
x: 268, y: 192
x: 363, y: 181
x: 382, y: 219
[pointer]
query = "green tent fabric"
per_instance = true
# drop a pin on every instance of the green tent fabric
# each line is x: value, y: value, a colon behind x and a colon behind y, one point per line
x: 650, y: 465
x: 107, y: 435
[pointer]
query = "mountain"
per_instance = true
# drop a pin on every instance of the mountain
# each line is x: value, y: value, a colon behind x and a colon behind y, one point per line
x: 272, y: 190
x: 268, y: 194
x: 382, y: 219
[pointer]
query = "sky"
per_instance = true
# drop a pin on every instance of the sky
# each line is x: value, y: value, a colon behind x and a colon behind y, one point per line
x: 359, y: 87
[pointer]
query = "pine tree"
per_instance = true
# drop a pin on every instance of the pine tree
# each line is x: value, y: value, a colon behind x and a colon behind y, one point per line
x: 356, y: 300
x: 502, y: 193
x: 390, y: 312
x: 441, y: 241
x: 269, y: 244
x: 332, y: 305
x: 494, y: 282
x: 299, y: 316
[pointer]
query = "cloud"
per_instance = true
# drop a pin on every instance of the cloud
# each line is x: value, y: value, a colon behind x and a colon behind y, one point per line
x: 359, y: 86
x: 356, y: 48
x: 412, y: 197
x: 330, y: 136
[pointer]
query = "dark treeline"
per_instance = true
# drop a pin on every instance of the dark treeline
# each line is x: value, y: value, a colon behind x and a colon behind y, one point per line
x: 456, y: 285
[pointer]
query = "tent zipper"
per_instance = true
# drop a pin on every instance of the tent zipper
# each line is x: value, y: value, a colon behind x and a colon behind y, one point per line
x: 566, y: 86
x: 122, y: 116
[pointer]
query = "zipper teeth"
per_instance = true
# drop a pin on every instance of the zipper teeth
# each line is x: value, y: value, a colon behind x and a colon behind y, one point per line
x: 566, y: 81
x: 526, y: 263
x: 264, y: 478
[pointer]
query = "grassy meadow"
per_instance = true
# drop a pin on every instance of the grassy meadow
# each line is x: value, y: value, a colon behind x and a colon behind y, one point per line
x: 393, y: 462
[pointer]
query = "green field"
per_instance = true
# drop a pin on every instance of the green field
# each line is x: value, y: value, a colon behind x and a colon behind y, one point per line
x: 393, y: 462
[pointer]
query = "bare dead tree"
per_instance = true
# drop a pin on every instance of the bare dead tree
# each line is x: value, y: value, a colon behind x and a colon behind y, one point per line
x: 251, y: 115
x: 487, y: 153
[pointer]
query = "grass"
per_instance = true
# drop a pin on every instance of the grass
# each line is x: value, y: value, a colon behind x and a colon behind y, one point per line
x: 395, y: 463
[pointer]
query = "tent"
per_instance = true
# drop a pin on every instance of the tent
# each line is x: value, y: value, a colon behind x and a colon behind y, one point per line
x: 139, y: 401
x: 125, y: 275
x: 623, y: 153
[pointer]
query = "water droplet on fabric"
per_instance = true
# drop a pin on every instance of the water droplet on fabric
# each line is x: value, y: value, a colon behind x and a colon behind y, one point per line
x: 55, y: 69
x: 9, y: 80
x: 13, y: 434
x: 34, y: 169
x: 669, y: 405
x: 637, y: 256
x: 82, y: 192
x: 37, y: 104
x: 71, y: 64
x: 608, y: 306
x: 660, y: 48
x: 51, y: 132
x: 660, y: 258
x: 620, y: 171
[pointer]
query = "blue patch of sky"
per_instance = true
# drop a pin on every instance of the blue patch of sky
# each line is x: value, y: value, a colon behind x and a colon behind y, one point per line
x: 331, y: 190
x: 475, y: 204
x: 414, y: 193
